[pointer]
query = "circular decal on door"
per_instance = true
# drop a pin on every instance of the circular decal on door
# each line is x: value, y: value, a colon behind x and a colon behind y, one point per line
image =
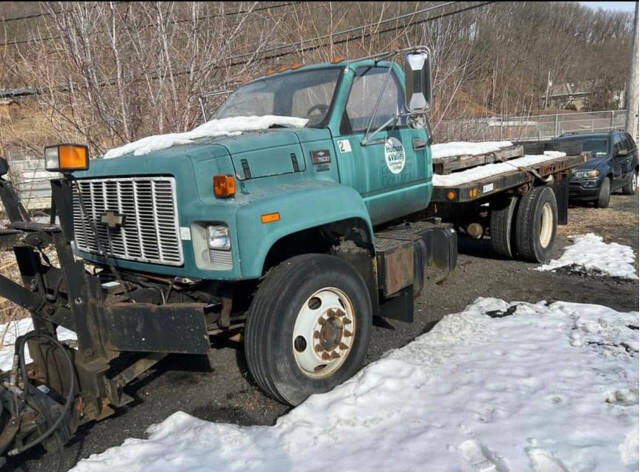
x: 394, y: 155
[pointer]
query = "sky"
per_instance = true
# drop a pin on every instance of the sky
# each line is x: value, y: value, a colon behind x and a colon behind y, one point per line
x: 611, y: 6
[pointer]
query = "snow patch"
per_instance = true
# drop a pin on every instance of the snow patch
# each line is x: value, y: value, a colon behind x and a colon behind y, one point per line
x: 489, y: 170
x: 222, y: 127
x: 10, y: 332
x: 589, y: 254
x: 465, y: 148
x: 507, y: 392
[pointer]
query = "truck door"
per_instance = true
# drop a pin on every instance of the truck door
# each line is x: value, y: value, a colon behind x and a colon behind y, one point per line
x: 393, y: 174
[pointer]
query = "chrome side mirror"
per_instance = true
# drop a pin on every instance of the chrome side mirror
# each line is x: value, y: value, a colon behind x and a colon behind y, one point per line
x: 417, y: 72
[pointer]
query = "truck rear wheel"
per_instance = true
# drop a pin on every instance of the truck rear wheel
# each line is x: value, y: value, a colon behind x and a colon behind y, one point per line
x: 308, y: 327
x: 501, y: 226
x: 536, y: 224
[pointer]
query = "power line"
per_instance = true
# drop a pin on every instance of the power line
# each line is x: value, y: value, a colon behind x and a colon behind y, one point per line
x: 350, y: 30
x: 317, y: 46
x: 27, y: 17
x: 49, y: 38
x: 353, y: 38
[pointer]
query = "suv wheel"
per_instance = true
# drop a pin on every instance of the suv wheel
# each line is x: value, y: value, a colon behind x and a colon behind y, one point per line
x: 604, y: 195
x: 632, y: 186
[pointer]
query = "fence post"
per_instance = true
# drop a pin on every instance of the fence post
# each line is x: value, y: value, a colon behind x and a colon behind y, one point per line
x: 611, y: 121
x: 556, y: 133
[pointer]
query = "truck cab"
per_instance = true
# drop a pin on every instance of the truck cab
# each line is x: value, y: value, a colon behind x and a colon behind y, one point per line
x: 359, y: 157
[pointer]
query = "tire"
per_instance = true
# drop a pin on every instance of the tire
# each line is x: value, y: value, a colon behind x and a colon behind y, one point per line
x: 501, y: 226
x: 283, y: 325
x: 604, y: 195
x: 632, y: 186
x: 536, y: 224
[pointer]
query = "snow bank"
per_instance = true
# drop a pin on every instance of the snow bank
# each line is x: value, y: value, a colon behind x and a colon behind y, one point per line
x: 549, y: 388
x: 464, y: 148
x: 10, y: 332
x: 222, y: 127
x: 488, y: 170
x: 589, y: 254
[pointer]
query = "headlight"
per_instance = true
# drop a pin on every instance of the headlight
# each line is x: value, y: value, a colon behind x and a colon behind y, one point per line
x: 218, y: 237
x: 586, y: 174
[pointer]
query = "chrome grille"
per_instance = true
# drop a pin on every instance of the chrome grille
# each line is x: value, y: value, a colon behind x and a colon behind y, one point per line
x: 150, y: 232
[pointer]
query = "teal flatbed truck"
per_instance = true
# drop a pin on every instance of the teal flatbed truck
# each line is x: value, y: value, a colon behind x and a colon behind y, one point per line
x: 289, y: 238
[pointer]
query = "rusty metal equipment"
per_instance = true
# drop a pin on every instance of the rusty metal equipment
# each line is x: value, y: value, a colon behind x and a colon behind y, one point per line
x: 124, y: 324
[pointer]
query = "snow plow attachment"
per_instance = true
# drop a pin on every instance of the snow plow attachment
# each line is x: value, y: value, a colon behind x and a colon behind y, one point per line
x: 123, y: 323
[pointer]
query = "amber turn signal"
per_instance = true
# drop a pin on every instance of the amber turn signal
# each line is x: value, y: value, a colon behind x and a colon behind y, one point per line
x: 224, y: 186
x: 66, y: 158
x: 270, y: 217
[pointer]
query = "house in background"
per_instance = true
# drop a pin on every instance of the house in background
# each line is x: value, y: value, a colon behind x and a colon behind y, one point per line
x: 568, y: 95
x: 579, y: 96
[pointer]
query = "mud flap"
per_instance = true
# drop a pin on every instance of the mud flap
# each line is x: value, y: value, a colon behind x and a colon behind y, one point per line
x: 561, y: 189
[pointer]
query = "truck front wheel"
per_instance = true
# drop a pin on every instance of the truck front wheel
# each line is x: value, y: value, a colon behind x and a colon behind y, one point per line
x: 308, y: 327
x: 536, y: 224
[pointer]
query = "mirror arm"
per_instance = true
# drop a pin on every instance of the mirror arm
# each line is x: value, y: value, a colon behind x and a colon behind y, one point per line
x: 427, y: 126
x: 366, y: 139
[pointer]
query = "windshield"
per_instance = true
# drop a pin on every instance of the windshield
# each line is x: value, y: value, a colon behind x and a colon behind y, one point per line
x: 304, y: 94
x: 598, y: 147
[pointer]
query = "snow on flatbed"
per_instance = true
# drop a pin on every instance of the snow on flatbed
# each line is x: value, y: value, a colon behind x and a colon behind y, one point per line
x: 590, y: 255
x: 500, y: 387
x: 490, y: 170
x: 467, y: 148
x: 212, y: 128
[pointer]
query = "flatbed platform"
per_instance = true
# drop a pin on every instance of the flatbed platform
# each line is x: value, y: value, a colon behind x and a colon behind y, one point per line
x: 461, y: 187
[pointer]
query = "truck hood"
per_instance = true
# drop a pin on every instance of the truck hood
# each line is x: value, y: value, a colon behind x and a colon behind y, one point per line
x: 249, y: 155
x: 594, y: 163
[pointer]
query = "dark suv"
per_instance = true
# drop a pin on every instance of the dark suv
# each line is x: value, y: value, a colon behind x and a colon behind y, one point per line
x: 613, y: 165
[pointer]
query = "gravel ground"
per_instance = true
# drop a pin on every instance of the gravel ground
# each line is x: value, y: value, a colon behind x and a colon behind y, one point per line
x: 228, y: 395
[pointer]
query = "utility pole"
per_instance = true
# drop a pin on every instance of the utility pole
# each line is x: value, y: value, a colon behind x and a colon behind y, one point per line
x: 632, y: 88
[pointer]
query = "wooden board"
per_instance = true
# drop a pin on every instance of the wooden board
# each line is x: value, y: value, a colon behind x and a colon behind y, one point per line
x: 446, y: 165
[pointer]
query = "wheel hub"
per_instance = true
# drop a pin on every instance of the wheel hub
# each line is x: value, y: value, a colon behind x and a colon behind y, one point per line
x: 546, y: 225
x: 330, y: 333
x: 324, y: 332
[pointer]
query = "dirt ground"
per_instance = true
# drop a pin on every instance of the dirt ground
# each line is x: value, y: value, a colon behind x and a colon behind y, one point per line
x: 228, y: 395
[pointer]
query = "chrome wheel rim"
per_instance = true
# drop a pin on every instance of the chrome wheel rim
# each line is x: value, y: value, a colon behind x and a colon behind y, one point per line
x: 634, y: 182
x: 546, y: 225
x: 324, y: 332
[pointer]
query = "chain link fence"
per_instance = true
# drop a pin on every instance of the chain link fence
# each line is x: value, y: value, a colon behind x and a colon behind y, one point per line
x: 533, y: 127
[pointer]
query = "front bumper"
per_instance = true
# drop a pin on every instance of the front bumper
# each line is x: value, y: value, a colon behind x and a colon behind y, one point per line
x: 584, y: 189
